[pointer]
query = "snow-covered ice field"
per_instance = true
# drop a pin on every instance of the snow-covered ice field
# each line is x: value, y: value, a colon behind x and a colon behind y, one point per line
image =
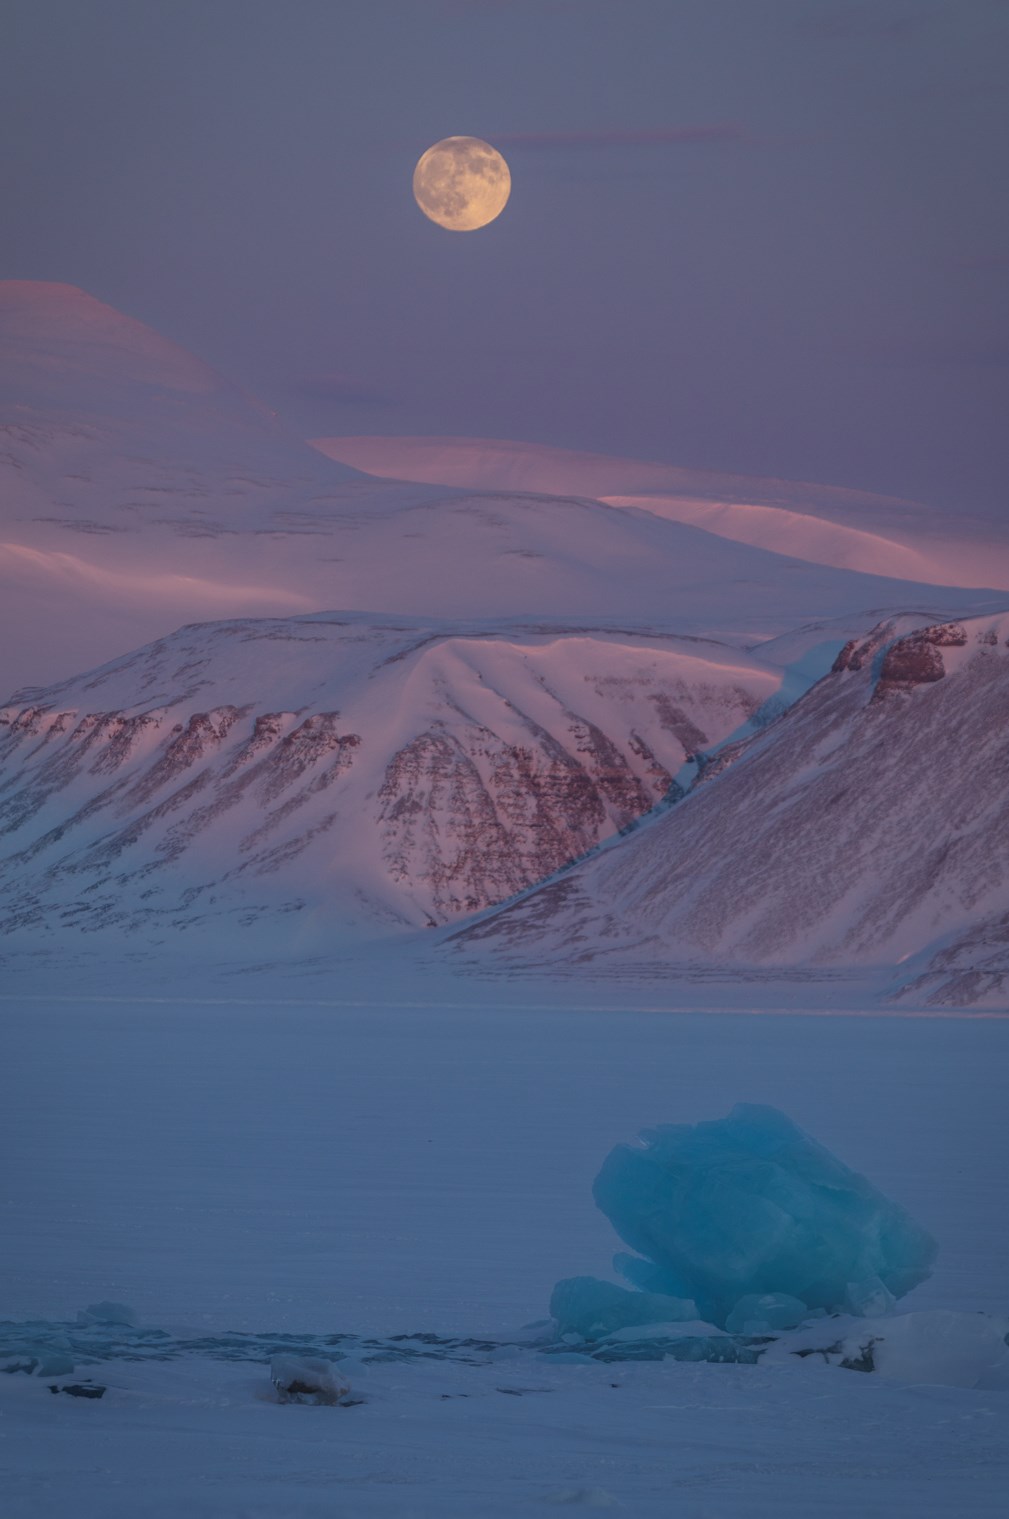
x: 292, y: 1169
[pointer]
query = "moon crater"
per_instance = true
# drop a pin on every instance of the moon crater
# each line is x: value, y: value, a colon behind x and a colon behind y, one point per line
x: 461, y: 183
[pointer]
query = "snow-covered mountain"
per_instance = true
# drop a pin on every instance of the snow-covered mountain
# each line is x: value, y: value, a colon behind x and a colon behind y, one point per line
x: 538, y: 672
x: 346, y: 770
x: 848, y: 529
x: 140, y: 491
x: 869, y: 825
x: 119, y: 453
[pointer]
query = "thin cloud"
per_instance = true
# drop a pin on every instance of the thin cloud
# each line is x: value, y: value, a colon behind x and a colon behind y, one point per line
x: 979, y: 261
x: 985, y: 353
x: 644, y: 137
x: 345, y: 389
x: 961, y: 352
x: 852, y: 23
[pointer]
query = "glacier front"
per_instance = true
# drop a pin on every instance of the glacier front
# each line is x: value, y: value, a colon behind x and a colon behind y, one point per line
x: 749, y: 1206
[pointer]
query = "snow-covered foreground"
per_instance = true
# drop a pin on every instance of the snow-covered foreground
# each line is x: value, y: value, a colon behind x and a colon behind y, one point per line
x: 510, y: 1439
x: 380, y: 1171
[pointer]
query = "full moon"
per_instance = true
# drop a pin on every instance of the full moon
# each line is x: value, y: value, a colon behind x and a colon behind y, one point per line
x: 462, y: 183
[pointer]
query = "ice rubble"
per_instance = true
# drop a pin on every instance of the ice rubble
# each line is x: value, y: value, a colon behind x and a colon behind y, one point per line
x: 594, y: 1310
x: 751, y: 1220
x: 938, y: 1347
x: 35, y: 1358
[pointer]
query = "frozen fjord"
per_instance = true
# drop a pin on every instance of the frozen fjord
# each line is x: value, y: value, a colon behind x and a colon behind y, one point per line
x: 384, y: 1170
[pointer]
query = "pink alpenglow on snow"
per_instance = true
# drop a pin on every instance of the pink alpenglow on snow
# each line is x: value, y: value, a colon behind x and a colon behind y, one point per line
x: 141, y: 490
x: 821, y: 524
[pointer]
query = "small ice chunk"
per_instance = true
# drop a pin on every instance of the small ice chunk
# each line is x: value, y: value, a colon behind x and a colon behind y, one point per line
x: 591, y: 1309
x: 307, y: 1379
x: 869, y: 1299
x: 109, y: 1313
x: 49, y: 1358
x: 540, y: 1332
x: 766, y: 1313
x: 586, y: 1497
x: 749, y: 1205
x: 55, y: 1363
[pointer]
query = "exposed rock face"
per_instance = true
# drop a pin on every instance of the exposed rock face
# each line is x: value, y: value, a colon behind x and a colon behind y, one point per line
x: 858, y: 653
x: 859, y: 828
x: 345, y: 767
x: 541, y: 806
x: 910, y: 662
x: 907, y: 661
x: 916, y: 660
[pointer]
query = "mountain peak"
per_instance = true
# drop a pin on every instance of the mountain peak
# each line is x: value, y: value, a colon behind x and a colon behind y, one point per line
x: 56, y: 336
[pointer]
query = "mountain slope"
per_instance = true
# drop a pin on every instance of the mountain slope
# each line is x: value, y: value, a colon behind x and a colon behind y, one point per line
x: 848, y: 529
x: 868, y: 824
x: 140, y: 491
x: 60, y: 344
x: 82, y: 385
x: 972, y: 969
x: 344, y: 769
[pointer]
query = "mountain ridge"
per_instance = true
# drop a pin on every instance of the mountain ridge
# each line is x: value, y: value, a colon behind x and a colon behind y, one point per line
x: 128, y: 509
x: 415, y: 772
x: 866, y: 826
x: 821, y: 524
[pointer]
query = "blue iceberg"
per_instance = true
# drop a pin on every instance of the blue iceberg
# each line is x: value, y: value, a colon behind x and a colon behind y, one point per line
x: 751, y: 1207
